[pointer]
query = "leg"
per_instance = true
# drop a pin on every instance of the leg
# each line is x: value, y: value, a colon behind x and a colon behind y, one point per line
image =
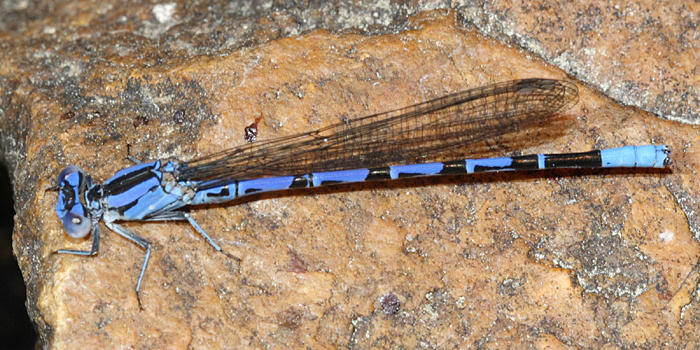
x: 128, y: 155
x: 183, y: 216
x: 140, y: 241
x: 95, y: 244
x: 196, y: 226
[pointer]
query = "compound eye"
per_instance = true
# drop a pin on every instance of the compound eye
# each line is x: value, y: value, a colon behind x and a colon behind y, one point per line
x: 68, y: 171
x: 76, y: 225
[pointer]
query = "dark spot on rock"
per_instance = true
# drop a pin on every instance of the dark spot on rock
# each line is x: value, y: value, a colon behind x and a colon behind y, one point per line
x: 390, y: 304
x: 296, y: 264
x: 290, y: 318
x: 68, y: 115
x: 140, y: 120
x: 179, y: 116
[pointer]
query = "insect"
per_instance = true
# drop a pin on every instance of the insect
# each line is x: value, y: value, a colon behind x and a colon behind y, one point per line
x: 411, y: 141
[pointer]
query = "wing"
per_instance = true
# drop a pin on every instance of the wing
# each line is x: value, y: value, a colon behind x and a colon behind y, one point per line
x: 416, y: 134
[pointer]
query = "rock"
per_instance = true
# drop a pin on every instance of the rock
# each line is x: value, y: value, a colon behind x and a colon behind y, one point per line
x: 573, y: 258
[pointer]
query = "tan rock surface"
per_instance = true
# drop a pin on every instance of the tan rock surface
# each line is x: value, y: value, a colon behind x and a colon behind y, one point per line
x: 565, y: 258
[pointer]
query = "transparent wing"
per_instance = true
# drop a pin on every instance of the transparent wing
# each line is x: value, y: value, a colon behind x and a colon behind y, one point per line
x: 416, y: 134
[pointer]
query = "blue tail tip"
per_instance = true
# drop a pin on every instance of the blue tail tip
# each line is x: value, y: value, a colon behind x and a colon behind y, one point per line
x: 646, y: 156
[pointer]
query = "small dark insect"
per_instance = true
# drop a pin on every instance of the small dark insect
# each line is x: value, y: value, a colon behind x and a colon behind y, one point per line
x: 251, y: 131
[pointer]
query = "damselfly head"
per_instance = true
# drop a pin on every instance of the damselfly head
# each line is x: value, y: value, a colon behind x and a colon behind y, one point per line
x: 71, y: 208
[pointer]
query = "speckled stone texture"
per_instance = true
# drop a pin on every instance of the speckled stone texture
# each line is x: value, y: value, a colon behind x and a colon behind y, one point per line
x: 596, y: 259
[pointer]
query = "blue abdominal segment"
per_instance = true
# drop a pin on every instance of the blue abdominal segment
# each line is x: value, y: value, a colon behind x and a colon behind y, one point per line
x: 488, y: 164
x: 399, y: 171
x: 216, y: 194
x: 648, y: 156
x: 265, y: 184
x: 341, y: 176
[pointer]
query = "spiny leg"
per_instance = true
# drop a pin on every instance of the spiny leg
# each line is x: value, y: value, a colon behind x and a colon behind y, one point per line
x: 201, y: 231
x: 183, y: 216
x: 143, y: 243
